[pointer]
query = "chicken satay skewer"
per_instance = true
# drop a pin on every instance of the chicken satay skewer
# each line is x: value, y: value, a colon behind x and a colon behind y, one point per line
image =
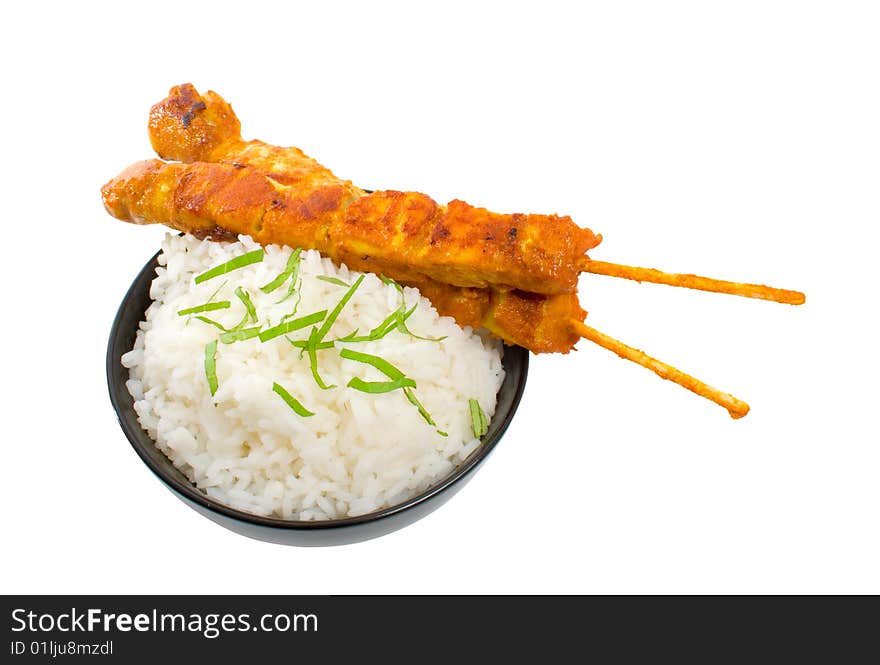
x: 194, y: 128
x: 455, y: 243
x: 698, y: 282
x: 735, y: 407
x: 189, y: 126
x: 222, y: 201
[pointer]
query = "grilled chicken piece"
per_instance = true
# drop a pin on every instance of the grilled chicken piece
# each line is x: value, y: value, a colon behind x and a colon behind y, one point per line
x: 223, y: 200
x: 457, y: 244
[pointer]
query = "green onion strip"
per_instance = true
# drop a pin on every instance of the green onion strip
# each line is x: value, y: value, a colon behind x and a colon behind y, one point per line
x: 398, y: 381
x: 391, y: 322
x: 317, y: 335
x: 381, y: 364
x: 234, y: 264
x: 212, y: 322
x: 218, y: 289
x: 391, y: 282
x: 303, y: 344
x: 291, y: 401
x: 376, y: 387
x: 294, y: 274
x: 403, y: 328
x: 331, y: 319
x: 245, y: 298
x: 207, y: 307
x: 292, y: 269
x: 211, y: 366
x: 290, y: 291
x: 205, y: 319
x: 411, y: 396
x: 399, y: 318
x: 295, y: 307
x: 311, y: 349
x: 479, y: 422
x: 239, y: 335
x: 333, y: 280
x: 290, y: 326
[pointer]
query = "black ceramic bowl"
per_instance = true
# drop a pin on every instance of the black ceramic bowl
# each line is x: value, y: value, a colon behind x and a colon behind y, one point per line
x: 272, y: 529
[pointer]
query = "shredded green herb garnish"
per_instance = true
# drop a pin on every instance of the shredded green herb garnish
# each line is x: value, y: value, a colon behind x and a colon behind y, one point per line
x: 476, y: 421
x: 290, y: 291
x: 239, y: 335
x: 304, y: 344
x: 245, y: 298
x: 333, y: 280
x: 291, y: 401
x: 207, y: 307
x: 212, y: 322
x: 402, y: 324
x: 317, y: 335
x: 292, y: 269
x: 409, y: 332
x: 295, y: 307
x: 316, y: 340
x: 376, y: 387
x: 250, y: 311
x: 398, y: 381
x: 234, y: 264
x: 391, y: 282
x: 411, y: 396
x: 294, y: 275
x: 218, y: 289
x: 381, y: 364
x: 311, y: 349
x: 395, y: 321
x: 211, y: 366
x: 350, y: 337
x: 479, y: 423
x: 290, y: 326
x: 404, y: 329
x: 376, y: 333
x: 329, y: 321
x: 211, y: 299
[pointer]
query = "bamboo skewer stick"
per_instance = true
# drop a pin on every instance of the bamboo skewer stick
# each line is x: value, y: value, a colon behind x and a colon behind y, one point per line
x: 735, y: 407
x: 693, y: 282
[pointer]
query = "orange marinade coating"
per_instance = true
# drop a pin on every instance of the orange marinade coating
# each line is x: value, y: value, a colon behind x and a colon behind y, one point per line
x: 222, y: 201
x: 457, y: 244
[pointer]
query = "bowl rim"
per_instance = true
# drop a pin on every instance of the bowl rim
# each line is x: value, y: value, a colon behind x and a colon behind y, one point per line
x: 190, y: 492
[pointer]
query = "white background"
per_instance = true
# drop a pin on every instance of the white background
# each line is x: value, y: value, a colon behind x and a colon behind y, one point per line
x: 739, y: 140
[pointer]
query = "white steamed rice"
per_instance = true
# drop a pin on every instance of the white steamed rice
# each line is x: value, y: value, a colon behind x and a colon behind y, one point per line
x: 245, y: 446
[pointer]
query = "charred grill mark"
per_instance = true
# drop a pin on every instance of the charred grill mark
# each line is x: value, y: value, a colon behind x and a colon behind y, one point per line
x: 439, y: 233
x: 217, y: 233
x: 181, y: 196
x: 191, y: 114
